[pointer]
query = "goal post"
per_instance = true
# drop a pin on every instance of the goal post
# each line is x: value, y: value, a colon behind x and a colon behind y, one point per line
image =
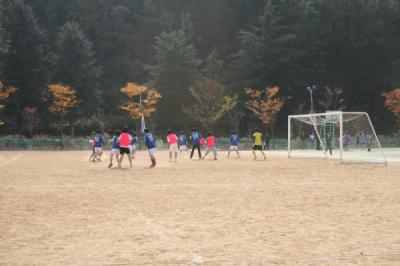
x: 347, y: 136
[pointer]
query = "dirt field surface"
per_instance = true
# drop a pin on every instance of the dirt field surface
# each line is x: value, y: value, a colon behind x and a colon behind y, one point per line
x: 56, y: 208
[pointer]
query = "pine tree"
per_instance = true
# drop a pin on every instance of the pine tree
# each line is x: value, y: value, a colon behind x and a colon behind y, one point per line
x: 214, y: 68
x: 76, y: 67
x: 175, y: 71
x: 3, y: 43
x: 25, y: 63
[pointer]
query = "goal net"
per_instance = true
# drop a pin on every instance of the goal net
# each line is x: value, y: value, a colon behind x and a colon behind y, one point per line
x: 348, y: 136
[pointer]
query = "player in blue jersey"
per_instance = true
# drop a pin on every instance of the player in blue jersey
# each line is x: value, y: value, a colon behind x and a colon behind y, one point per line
x: 133, y: 146
x: 234, y: 144
x: 195, y: 138
x: 150, y: 143
x: 183, y: 143
x: 114, y: 148
x: 98, y: 146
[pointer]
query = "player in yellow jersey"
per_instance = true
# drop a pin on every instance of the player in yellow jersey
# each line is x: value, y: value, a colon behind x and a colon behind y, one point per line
x: 258, y: 143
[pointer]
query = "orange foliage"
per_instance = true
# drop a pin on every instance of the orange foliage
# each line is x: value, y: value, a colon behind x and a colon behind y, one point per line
x: 5, y: 92
x: 150, y: 97
x: 392, y: 102
x: 64, y: 99
x: 265, y: 104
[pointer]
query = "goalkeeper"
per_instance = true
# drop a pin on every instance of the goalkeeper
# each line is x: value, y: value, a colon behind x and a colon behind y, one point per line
x: 258, y: 143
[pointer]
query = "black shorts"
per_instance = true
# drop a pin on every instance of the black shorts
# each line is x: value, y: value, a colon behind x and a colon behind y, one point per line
x: 257, y: 147
x: 124, y: 150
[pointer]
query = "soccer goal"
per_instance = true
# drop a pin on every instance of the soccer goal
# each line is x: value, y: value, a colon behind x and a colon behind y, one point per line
x: 348, y: 136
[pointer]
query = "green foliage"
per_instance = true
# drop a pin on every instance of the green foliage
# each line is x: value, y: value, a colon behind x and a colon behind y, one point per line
x: 214, y: 68
x: 175, y: 71
x: 25, y: 62
x: 76, y: 66
x: 210, y: 103
x: 3, y: 43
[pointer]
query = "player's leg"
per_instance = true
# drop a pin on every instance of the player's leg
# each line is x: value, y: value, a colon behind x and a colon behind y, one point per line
x: 263, y: 154
x: 134, y: 151
x: 111, y: 159
x: 229, y: 152
x: 237, y: 151
x: 214, y: 150
x: 92, y: 155
x: 176, y: 152
x: 192, y: 152
x: 254, y: 153
x: 152, y: 158
x: 121, y: 157
x: 199, y: 150
x: 207, y: 152
x: 130, y: 160
x: 100, y: 154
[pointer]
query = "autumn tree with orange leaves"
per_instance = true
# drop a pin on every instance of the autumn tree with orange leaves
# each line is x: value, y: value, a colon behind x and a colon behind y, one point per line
x: 392, y: 102
x: 5, y: 92
x: 265, y: 104
x: 136, y: 108
x: 64, y: 101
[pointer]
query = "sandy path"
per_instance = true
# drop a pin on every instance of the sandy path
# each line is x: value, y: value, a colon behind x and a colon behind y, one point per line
x: 56, y: 208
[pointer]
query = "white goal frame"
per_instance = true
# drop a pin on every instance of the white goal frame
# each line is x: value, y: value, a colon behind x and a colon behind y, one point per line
x: 339, y: 115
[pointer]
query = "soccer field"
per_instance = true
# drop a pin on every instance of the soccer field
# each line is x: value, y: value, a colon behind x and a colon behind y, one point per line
x: 56, y: 208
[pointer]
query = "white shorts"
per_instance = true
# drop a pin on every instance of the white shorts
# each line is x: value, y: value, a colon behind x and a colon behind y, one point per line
x: 234, y: 148
x: 173, y: 147
x: 114, y: 151
x: 98, y: 149
x: 152, y: 152
x: 132, y: 147
x: 183, y: 148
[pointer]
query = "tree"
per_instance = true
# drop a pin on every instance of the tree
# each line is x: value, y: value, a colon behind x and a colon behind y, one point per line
x: 333, y: 99
x: 265, y: 104
x: 76, y: 67
x: 25, y: 63
x: 63, y: 102
x: 146, y: 106
x: 392, y: 102
x: 3, y: 44
x: 5, y: 92
x: 175, y: 71
x: 214, y: 67
x: 210, y: 103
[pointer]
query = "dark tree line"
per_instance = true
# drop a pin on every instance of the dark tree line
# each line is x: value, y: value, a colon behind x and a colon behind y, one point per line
x: 97, y: 46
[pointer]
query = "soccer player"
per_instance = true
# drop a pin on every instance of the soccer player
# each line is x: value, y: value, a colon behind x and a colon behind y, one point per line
x: 172, y: 140
x: 150, y: 143
x: 195, y: 137
x: 91, y: 158
x: 211, y: 146
x: 234, y: 144
x: 328, y: 140
x: 368, y: 141
x: 114, y: 148
x: 266, y: 142
x: 258, y: 143
x: 133, y: 145
x: 346, y: 141
x: 98, y: 146
x: 124, y: 140
x: 182, y: 143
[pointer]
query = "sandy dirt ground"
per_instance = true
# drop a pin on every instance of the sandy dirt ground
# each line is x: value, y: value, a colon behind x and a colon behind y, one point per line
x: 56, y: 208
